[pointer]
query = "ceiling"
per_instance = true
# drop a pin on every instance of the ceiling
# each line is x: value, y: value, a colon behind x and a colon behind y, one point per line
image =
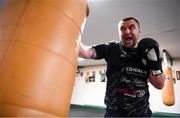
x: 159, y: 19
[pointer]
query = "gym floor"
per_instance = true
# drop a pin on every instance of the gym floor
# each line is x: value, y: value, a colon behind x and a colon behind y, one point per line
x: 85, y: 111
x: 89, y: 111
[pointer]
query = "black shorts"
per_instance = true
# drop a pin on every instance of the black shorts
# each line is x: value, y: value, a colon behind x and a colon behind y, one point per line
x: 121, y: 113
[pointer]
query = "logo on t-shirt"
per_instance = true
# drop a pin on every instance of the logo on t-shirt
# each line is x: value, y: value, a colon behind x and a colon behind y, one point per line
x: 123, y: 55
x: 132, y: 93
x: 135, y: 70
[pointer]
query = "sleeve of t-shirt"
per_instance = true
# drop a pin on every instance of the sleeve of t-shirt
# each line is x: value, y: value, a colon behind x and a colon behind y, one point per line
x: 102, y: 50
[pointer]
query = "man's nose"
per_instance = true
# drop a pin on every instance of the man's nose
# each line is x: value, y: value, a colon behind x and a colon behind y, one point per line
x: 126, y: 31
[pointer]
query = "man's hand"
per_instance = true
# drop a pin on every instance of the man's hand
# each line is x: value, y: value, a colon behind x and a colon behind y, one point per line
x: 86, y: 52
x: 149, y: 51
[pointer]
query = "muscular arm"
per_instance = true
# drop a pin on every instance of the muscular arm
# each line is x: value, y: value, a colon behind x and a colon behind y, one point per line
x: 157, y: 80
x: 149, y: 50
x: 86, y: 52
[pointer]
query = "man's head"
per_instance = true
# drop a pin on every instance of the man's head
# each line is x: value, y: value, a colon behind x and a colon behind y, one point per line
x: 129, y: 31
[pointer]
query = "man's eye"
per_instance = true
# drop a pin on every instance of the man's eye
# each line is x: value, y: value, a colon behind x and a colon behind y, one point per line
x: 122, y: 29
x: 132, y: 27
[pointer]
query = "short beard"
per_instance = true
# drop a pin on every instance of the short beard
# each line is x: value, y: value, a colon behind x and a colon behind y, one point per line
x: 135, y: 42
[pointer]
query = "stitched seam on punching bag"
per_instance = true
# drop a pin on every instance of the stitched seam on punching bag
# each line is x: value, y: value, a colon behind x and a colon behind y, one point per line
x: 13, y: 34
x: 37, y: 46
x: 66, y: 14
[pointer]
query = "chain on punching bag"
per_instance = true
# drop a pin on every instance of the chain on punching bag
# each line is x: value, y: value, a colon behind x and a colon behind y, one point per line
x: 38, y: 55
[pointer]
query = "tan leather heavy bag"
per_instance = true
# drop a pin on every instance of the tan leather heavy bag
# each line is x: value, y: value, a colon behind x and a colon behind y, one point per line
x: 38, y: 55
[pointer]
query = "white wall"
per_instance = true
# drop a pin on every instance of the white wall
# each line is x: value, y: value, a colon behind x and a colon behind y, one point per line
x: 89, y: 93
x: 156, y: 95
x: 92, y: 93
x: 156, y: 102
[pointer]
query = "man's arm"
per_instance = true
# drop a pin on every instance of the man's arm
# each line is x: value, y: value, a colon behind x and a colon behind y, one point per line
x: 149, y: 50
x: 157, y: 80
x: 86, y: 52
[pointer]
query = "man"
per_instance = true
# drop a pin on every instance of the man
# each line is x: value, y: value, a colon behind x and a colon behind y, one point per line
x: 129, y: 66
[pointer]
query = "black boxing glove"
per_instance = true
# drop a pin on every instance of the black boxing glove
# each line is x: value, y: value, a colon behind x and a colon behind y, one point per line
x: 149, y: 51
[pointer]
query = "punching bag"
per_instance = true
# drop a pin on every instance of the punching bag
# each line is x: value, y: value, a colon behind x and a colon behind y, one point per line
x: 168, y: 89
x: 38, y: 55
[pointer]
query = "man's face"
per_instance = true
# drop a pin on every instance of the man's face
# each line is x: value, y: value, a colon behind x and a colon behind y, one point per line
x: 129, y: 32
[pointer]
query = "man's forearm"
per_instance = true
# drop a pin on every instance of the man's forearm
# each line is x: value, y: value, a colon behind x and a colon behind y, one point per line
x: 157, y: 81
x: 86, y: 52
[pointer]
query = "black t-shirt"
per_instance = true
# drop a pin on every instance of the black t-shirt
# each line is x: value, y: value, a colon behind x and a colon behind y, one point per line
x: 127, y: 88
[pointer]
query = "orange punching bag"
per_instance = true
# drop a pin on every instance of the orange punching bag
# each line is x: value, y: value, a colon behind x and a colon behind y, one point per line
x: 38, y: 55
x: 168, y: 89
